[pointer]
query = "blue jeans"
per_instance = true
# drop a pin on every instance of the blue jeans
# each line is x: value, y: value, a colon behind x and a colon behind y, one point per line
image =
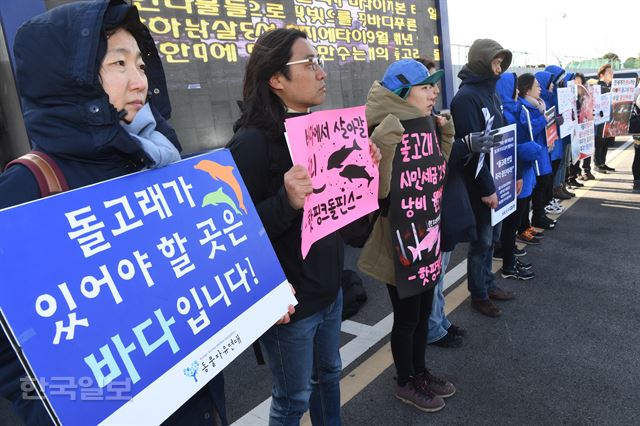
x: 438, y: 322
x: 480, y: 278
x: 304, y: 358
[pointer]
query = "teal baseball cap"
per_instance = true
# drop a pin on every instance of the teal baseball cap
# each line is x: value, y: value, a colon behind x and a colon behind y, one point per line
x: 402, y: 75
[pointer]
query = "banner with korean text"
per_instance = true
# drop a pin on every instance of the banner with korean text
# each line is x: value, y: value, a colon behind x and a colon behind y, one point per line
x: 334, y: 145
x: 128, y: 296
x: 503, y: 166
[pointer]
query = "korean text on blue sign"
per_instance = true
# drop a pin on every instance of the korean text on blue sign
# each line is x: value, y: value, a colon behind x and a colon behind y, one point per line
x: 503, y: 169
x: 146, y: 286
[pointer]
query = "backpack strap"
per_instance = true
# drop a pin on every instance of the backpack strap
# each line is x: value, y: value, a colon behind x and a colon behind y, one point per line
x: 47, y: 173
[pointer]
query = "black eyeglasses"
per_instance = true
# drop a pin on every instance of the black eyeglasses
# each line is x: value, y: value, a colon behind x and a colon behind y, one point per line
x: 316, y: 62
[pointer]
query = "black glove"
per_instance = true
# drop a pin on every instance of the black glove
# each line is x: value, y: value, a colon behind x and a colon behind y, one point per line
x: 560, y: 120
x: 478, y: 142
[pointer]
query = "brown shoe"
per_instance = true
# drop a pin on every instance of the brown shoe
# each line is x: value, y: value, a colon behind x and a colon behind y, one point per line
x: 486, y: 307
x: 417, y: 394
x: 501, y: 294
x: 441, y: 387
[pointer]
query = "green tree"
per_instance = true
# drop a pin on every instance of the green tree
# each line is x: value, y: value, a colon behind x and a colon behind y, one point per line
x: 611, y: 57
x: 631, y: 63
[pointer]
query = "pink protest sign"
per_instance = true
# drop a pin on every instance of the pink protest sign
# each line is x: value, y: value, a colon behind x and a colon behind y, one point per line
x: 334, y: 146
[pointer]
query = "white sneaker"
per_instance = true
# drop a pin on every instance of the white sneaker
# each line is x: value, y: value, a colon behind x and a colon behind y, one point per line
x: 556, y: 202
x: 553, y: 209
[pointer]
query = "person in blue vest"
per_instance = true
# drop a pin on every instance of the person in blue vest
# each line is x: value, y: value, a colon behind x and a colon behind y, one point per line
x: 95, y: 101
x: 472, y: 108
x: 512, y: 267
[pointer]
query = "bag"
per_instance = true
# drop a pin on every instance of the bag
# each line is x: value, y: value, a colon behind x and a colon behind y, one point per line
x: 353, y: 293
x: 45, y: 170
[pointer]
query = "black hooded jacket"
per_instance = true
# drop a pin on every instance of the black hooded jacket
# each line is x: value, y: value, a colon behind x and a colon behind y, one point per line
x: 67, y: 115
x: 477, y: 91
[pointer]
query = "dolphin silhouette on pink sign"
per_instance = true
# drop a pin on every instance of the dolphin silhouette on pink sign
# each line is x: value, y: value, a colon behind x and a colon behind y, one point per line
x: 427, y: 243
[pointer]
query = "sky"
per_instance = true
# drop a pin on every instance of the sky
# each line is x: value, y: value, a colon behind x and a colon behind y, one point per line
x: 574, y: 29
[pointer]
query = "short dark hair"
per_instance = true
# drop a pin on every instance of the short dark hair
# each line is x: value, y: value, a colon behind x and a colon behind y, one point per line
x: 427, y: 62
x: 260, y: 106
x: 603, y: 69
x: 581, y: 76
x: 525, y: 83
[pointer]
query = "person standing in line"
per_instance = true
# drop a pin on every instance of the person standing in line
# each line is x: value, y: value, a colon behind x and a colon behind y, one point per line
x: 397, y: 107
x: 284, y: 78
x: 472, y: 106
x: 542, y: 200
x: 526, y: 151
x: 575, y: 172
x: 98, y: 110
x: 441, y: 331
x: 634, y: 129
x: 605, y: 77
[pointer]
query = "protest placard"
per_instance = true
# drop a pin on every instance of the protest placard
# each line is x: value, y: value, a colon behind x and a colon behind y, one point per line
x: 583, y: 141
x: 551, y: 128
x: 568, y: 110
x: 145, y: 287
x: 334, y: 146
x: 415, y: 203
x: 503, y: 169
x: 622, y: 90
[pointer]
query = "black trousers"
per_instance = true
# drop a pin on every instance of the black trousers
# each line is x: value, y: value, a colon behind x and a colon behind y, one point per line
x: 409, y: 332
x: 508, y: 239
x: 524, y: 206
x: 555, y: 166
x: 540, y: 198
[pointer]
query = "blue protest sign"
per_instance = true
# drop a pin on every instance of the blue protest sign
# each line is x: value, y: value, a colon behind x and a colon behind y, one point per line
x: 127, y: 296
x: 503, y: 169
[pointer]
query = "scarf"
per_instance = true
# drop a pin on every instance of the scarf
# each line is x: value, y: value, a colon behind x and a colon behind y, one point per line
x: 538, y: 103
x: 157, y: 147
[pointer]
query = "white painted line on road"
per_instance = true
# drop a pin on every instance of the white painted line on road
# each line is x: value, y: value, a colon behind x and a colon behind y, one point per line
x: 454, y: 275
x: 367, y: 336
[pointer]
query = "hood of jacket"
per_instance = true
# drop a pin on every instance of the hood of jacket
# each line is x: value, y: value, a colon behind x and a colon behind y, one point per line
x: 568, y: 77
x: 545, y: 79
x: 557, y: 73
x: 482, y: 52
x: 382, y: 102
x: 506, y: 87
x: 66, y: 110
x: 468, y: 76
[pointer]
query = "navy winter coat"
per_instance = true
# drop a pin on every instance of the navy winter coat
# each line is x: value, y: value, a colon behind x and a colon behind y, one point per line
x: 67, y: 115
x: 66, y: 112
x: 527, y: 150
x: 476, y: 92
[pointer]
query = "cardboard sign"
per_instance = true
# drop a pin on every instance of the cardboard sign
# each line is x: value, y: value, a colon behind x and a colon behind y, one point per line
x: 334, y: 146
x: 415, y: 202
x: 146, y: 287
